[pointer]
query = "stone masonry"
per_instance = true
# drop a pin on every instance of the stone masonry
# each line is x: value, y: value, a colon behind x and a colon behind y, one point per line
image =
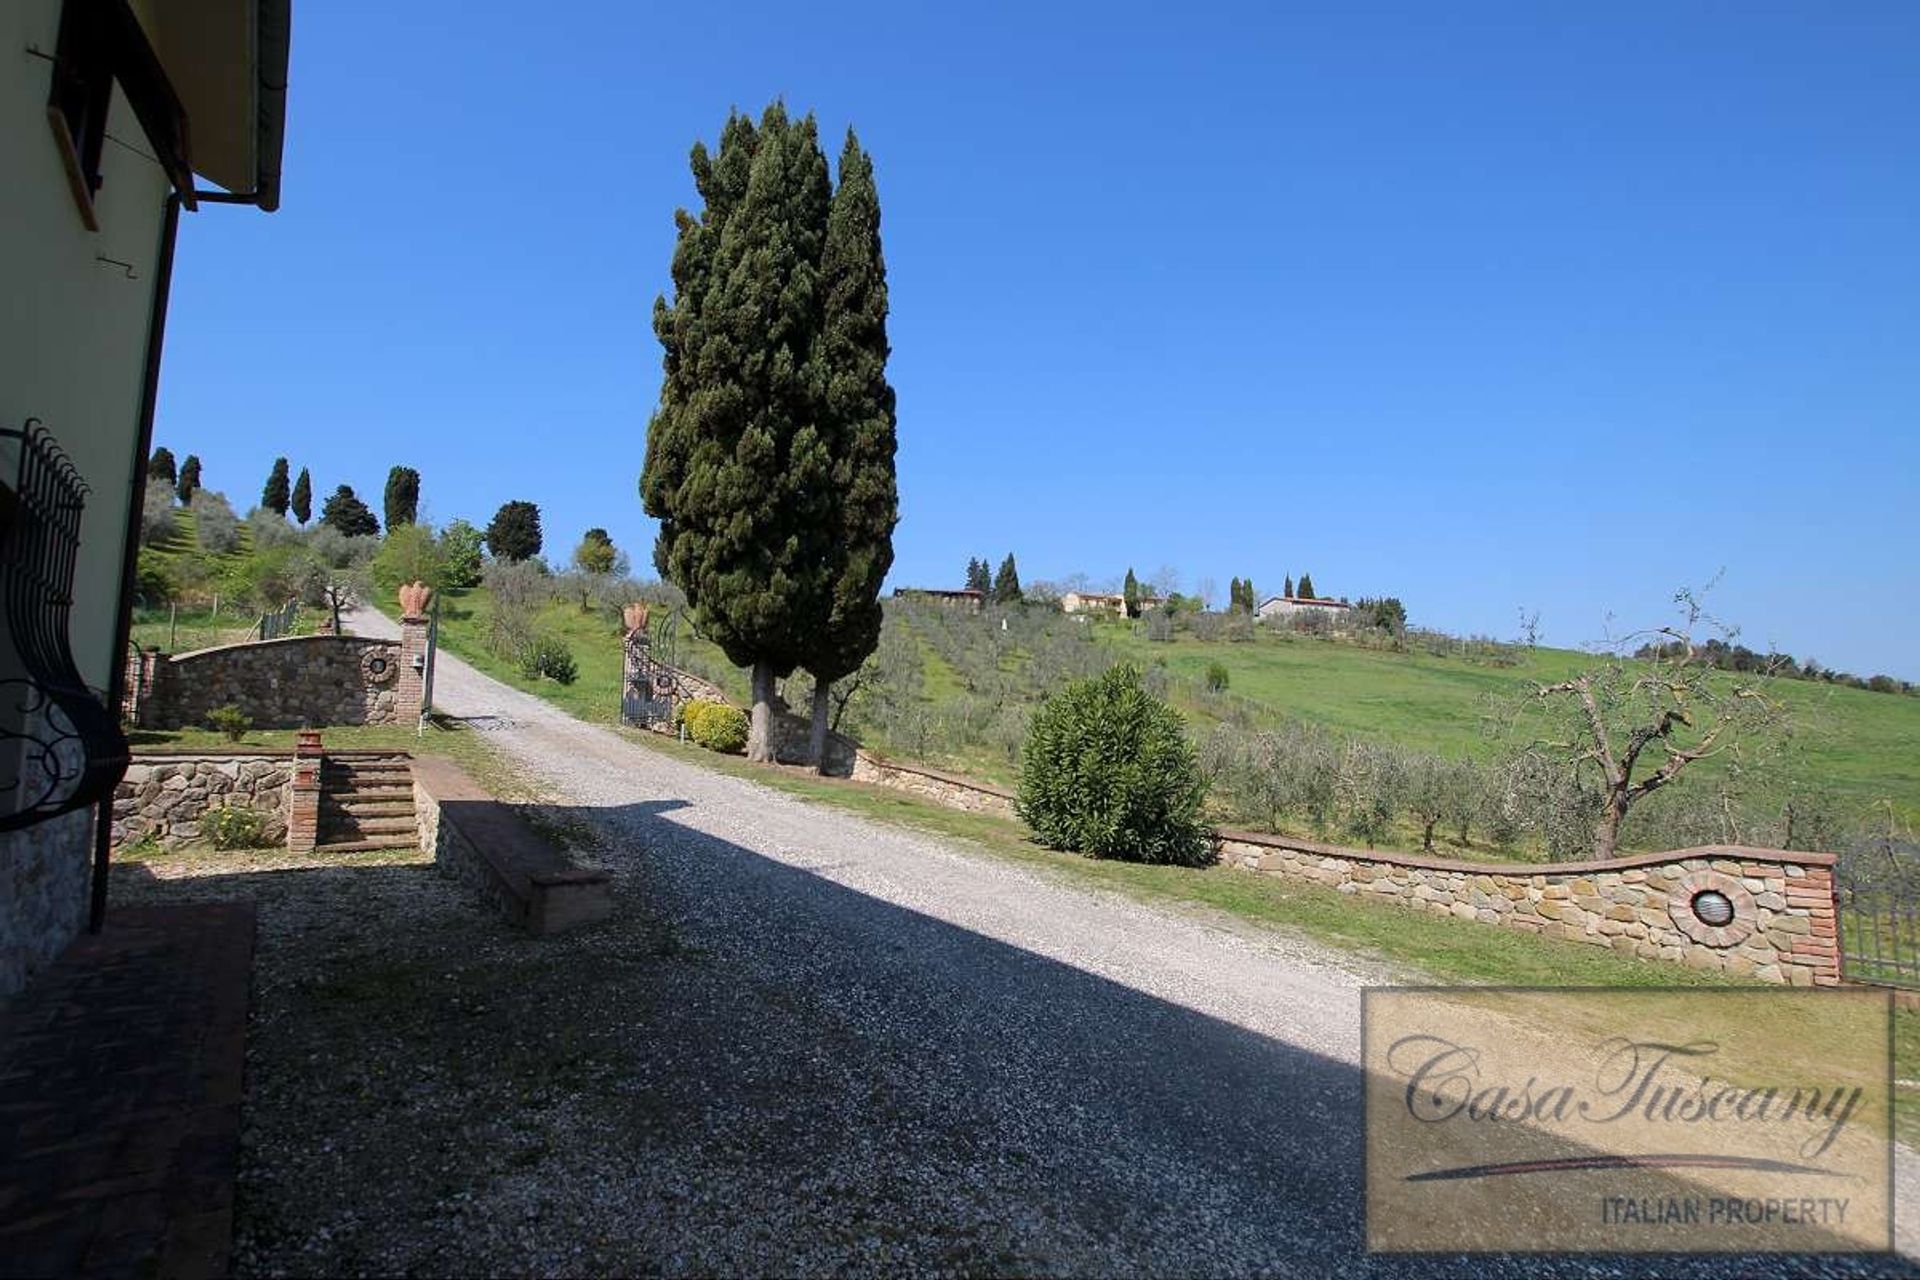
x: 164, y: 797
x: 1781, y: 923
x: 287, y: 683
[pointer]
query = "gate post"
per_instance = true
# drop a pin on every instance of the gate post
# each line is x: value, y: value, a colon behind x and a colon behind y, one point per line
x: 410, y: 689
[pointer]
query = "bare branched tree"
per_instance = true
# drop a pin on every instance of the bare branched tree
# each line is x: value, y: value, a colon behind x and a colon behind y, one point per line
x: 1629, y: 727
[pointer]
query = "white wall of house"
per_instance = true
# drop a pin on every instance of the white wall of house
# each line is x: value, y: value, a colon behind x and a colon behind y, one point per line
x: 1280, y: 608
x: 73, y: 338
x: 73, y: 329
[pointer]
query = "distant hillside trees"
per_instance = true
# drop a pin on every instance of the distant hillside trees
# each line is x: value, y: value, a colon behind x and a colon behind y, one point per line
x: 161, y: 467
x: 1006, y: 583
x: 189, y: 479
x: 514, y: 532
x: 460, y: 552
x: 595, y: 554
x: 347, y: 515
x: 979, y: 576
x: 301, y: 504
x: 1383, y: 613
x: 1725, y: 655
x: 1306, y: 587
x: 277, y: 493
x: 402, y: 498
x: 1240, y: 598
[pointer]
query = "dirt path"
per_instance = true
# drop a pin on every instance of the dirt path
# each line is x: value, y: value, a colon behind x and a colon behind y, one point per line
x: 868, y: 1049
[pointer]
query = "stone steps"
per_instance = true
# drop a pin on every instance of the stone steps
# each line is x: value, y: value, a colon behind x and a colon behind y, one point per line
x: 366, y: 805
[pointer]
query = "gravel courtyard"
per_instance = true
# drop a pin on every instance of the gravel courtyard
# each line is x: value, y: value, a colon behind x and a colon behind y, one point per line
x: 806, y: 1043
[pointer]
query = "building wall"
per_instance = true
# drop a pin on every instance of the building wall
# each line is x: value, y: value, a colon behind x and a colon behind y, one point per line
x: 291, y: 683
x: 73, y: 332
x: 73, y: 339
x: 1281, y: 609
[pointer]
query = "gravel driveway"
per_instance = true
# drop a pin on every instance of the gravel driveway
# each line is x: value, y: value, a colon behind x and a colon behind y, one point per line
x: 807, y: 1043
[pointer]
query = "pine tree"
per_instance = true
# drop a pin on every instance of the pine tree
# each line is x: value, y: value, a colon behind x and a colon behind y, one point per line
x: 1287, y: 590
x: 856, y: 419
x: 735, y: 434
x: 514, y: 532
x: 1130, y: 594
x: 402, y: 498
x: 161, y: 467
x: 302, y: 502
x: 345, y: 512
x: 1306, y: 587
x: 1006, y: 583
x: 979, y: 576
x: 596, y: 553
x: 274, y: 496
x: 189, y: 479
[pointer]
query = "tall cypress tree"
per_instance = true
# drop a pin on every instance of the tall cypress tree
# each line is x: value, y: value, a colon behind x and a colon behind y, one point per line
x: 1130, y: 594
x: 275, y: 497
x: 189, y: 479
x: 1287, y: 590
x: 1006, y: 583
x: 856, y: 421
x: 402, y: 498
x: 1306, y: 587
x: 302, y: 502
x: 161, y: 466
x: 737, y: 471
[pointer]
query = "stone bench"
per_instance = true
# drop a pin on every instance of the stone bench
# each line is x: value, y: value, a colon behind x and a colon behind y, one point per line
x: 486, y: 845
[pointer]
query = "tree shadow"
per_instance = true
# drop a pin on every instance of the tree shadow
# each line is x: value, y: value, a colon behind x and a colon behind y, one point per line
x: 787, y: 1074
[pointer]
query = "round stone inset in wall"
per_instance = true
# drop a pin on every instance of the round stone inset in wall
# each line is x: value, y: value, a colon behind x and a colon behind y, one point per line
x: 1714, y: 910
x: 379, y: 667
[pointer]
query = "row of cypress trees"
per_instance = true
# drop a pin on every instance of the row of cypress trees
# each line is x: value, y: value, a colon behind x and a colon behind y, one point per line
x: 770, y: 459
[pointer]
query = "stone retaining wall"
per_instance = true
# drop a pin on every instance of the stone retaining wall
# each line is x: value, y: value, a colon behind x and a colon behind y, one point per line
x: 1782, y: 926
x: 290, y: 683
x: 164, y: 796
x: 947, y: 789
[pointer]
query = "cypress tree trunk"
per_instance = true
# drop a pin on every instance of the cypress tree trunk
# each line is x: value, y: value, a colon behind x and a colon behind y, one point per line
x: 760, y: 726
x: 821, y: 690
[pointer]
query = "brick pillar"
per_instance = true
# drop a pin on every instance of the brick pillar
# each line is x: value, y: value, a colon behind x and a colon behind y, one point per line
x: 1820, y: 949
x: 410, y: 689
x: 303, y: 794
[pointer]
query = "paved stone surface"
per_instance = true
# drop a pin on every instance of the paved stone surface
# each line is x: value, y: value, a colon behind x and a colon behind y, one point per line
x: 120, y: 1088
x: 877, y: 1052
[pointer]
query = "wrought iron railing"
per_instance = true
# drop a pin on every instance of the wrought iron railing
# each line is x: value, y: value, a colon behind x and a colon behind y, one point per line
x: 1879, y: 901
x: 61, y: 748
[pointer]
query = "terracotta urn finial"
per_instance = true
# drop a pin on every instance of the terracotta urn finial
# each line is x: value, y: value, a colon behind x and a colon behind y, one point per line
x: 414, y: 598
x: 635, y: 616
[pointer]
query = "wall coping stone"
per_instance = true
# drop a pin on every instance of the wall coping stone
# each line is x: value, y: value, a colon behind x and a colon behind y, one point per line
x: 323, y: 638
x: 953, y: 779
x: 1778, y: 857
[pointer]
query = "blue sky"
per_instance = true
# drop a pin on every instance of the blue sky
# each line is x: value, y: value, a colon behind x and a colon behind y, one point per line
x: 1487, y: 307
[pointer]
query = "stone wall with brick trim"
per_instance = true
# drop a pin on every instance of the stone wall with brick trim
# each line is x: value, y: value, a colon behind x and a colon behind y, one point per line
x: 1783, y: 926
x: 164, y: 796
x: 288, y: 683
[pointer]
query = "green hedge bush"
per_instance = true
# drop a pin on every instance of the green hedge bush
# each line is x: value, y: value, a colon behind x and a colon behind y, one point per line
x: 1107, y: 771
x: 715, y: 726
x: 549, y: 658
x: 230, y: 720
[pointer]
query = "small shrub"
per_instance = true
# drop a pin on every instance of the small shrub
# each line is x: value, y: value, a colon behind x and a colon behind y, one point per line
x: 230, y: 720
x: 1107, y: 771
x: 716, y: 726
x: 232, y: 827
x: 1217, y: 678
x: 550, y: 659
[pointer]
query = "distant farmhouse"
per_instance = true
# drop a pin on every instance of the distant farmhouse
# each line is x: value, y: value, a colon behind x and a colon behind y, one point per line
x: 969, y: 600
x: 1287, y: 608
x: 1099, y: 602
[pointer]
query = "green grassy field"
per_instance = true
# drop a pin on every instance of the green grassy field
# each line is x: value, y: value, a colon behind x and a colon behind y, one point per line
x: 1865, y: 746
